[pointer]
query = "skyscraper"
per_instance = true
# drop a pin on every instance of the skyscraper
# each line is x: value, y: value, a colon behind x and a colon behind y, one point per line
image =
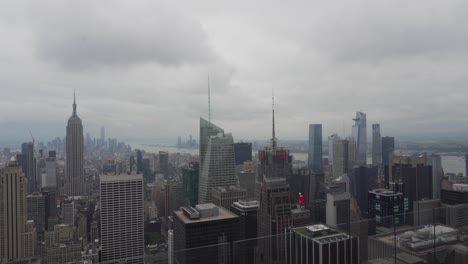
x: 27, y: 163
x: 315, y: 148
x: 242, y: 152
x: 376, y: 145
x: 331, y: 141
x: 466, y: 165
x: 198, y: 230
x: 190, y: 183
x: 74, y: 179
x: 207, y: 129
x: 343, y: 156
x: 36, y: 208
x: 218, y: 166
x: 317, y: 244
x: 388, y: 147
x: 13, y: 212
x: 164, y: 163
x: 274, y: 213
x: 435, y: 161
x: 360, y: 137
x: 274, y: 220
x: 103, y: 135
x: 122, y: 218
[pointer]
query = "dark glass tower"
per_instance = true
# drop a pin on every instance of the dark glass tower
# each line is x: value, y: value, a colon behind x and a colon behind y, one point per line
x: 388, y: 146
x: 26, y: 162
x: 74, y: 183
x: 315, y: 148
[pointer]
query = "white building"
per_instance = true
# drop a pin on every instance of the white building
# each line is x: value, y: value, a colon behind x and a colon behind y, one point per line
x: 122, y: 218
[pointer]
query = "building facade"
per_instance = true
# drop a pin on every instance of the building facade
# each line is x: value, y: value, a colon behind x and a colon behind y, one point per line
x: 226, y: 196
x: 376, y: 145
x: 388, y: 147
x: 203, y: 228
x: 122, y: 218
x: 13, y: 211
x: 359, y: 133
x: 274, y: 220
x: 218, y: 167
x: 315, y: 148
x: 242, y: 152
x: 74, y: 150
x: 386, y: 209
x: 190, y: 182
x: 317, y: 244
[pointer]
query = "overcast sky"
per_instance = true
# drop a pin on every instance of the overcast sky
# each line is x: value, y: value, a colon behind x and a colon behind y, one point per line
x: 140, y: 68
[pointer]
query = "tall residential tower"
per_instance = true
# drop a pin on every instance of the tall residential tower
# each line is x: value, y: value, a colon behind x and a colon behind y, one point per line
x: 376, y: 145
x: 315, y: 148
x: 360, y: 137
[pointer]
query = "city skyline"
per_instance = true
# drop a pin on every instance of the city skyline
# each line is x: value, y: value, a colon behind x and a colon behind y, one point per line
x: 319, y: 60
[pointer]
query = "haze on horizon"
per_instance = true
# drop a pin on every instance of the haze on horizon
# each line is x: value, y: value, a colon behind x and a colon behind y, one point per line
x: 140, y: 68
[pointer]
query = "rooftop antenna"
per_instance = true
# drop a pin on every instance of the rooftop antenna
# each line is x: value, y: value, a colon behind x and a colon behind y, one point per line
x: 209, y: 100
x: 273, y: 139
x: 32, y: 137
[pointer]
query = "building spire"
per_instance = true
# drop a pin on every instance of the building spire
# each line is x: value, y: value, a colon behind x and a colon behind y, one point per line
x: 74, y: 103
x: 209, y: 100
x: 273, y: 139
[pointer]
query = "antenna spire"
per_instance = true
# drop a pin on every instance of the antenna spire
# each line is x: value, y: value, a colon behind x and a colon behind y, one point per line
x: 209, y: 100
x: 74, y: 103
x: 273, y: 139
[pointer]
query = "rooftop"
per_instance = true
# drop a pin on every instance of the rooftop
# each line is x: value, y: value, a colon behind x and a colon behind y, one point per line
x: 223, y: 214
x: 321, y: 233
x: 385, y: 192
x: 120, y: 177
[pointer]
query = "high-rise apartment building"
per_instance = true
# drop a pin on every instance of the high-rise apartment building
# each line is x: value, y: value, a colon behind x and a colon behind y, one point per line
x: 388, y: 147
x: 315, y: 148
x: 218, y: 165
x: 190, y: 182
x: 317, y: 244
x: 376, y: 145
x: 122, y: 218
x: 13, y: 212
x: 360, y: 137
x: 74, y: 178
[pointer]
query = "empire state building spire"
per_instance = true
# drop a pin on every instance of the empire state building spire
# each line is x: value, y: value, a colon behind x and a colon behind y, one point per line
x: 74, y: 150
x: 74, y: 105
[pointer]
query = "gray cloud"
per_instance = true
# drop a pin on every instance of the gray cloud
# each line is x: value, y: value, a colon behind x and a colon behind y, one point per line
x: 141, y: 68
x: 88, y: 34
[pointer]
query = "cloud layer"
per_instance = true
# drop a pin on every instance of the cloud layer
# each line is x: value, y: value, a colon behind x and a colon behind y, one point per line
x: 140, y: 68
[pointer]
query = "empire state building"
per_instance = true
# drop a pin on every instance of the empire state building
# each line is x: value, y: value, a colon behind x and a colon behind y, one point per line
x: 74, y: 178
